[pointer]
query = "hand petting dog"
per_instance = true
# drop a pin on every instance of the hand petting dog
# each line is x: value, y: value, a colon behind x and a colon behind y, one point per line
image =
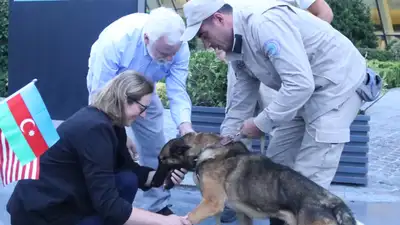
x: 176, y: 177
x: 247, y: 130
x: 132, y: 149
x: 250, y: 130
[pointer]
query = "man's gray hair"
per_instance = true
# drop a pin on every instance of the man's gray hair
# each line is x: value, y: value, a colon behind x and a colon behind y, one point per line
x: 164, y: 22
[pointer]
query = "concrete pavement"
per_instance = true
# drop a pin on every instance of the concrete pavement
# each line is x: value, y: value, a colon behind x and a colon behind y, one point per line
x: 370, y: 213
x: 185, y: 199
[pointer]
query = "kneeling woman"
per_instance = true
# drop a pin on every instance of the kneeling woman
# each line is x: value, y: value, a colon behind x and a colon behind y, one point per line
x: 88, y: 176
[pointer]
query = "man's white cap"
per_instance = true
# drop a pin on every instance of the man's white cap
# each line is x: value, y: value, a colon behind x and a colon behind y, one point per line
x: 195, y: 12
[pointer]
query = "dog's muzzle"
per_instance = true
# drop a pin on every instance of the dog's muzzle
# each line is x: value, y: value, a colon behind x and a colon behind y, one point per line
x: 160, y: 175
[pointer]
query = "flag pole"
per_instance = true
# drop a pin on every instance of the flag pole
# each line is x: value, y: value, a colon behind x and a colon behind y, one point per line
x: 18, y: 91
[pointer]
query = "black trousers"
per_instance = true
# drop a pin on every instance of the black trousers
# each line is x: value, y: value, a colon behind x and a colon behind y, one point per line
x: 127, y: 184
x: 273, y: 221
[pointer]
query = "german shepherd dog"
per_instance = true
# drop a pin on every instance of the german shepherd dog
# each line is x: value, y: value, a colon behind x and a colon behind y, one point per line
x: 251, y: 184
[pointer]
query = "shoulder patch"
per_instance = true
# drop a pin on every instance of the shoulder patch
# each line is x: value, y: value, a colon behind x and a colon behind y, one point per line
x: 272, y: 48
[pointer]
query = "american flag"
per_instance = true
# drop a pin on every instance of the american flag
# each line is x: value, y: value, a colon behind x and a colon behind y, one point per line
x: 11, y: 169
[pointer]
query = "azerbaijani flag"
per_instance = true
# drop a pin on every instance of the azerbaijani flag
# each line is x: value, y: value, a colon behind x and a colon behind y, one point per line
x: 26, y: 124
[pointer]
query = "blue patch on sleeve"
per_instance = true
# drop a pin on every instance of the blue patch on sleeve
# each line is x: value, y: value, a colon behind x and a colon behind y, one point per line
x: 272, y: 48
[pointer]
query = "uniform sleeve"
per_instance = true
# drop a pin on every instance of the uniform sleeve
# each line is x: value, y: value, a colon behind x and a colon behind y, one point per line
x: 281, y: 42
x: 97, y: 156
x: 180, y: 103
x: 244, y: 100
x: 302, y: 4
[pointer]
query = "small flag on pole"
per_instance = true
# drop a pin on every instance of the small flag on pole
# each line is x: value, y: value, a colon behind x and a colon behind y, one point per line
x: 11, y: 169
x: 26, y: 124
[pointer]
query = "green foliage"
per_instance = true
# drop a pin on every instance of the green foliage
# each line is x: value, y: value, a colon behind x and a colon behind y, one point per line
x: 162, y: 93
x: 3, y: 33
x: 207, y: 79
x: 3, y: 47
x: 3, y: 84
x: 381, y: 55
x: 388, y: 70
x: 193, y: 44
x: 206, y: 83
x: 394, y: 48
x: 352, y: 18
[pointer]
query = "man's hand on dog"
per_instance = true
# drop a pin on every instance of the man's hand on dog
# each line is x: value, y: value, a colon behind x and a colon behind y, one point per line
x: 250, y: 130
x: 247, y: 130
x: 226, y: 139
x: 185, y: 128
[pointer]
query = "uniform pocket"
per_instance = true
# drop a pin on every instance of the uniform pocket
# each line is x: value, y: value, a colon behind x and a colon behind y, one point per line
x: 332, y: 127
x: 332, y: 135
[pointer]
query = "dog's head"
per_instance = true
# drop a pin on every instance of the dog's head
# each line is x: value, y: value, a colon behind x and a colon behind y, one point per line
x: 184, y: 152
x: 177, y: 153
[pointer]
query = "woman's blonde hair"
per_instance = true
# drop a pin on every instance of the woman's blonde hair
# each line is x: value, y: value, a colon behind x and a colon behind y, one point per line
x: 126, y: 88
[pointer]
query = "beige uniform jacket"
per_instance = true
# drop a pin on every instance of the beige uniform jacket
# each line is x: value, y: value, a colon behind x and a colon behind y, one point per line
x: 313, y: 67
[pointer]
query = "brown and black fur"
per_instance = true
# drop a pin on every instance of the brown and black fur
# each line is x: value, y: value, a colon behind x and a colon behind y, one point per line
x: 251, y: 184
x: 174, y: 154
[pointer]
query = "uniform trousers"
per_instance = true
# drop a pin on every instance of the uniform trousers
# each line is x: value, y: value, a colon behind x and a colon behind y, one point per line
x: 307, y: 147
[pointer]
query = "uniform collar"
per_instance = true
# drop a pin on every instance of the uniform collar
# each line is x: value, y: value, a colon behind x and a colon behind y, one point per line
x: 237, y: 47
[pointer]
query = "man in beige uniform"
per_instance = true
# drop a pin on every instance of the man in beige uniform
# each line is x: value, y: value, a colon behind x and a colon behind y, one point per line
x: 318, y: 8
x: 315, y: 70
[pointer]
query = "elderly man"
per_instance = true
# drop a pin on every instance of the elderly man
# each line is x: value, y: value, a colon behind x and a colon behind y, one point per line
x: 149, y: 44
x: 318, y: 8
x: 319, y: 76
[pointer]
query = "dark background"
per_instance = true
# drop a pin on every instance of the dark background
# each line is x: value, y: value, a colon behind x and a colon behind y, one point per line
x: 51, y: 41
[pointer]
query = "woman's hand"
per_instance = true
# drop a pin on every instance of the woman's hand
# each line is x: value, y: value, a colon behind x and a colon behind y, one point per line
x: 175, y: 220
x: 177, y: 176
x: 132, y: 149
x: 143, y: 217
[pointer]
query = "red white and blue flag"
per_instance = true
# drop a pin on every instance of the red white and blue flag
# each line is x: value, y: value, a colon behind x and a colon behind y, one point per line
x: 27, y: 131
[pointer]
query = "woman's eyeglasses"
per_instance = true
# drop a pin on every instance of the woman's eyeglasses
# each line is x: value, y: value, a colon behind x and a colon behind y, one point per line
x: 143, y: 107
